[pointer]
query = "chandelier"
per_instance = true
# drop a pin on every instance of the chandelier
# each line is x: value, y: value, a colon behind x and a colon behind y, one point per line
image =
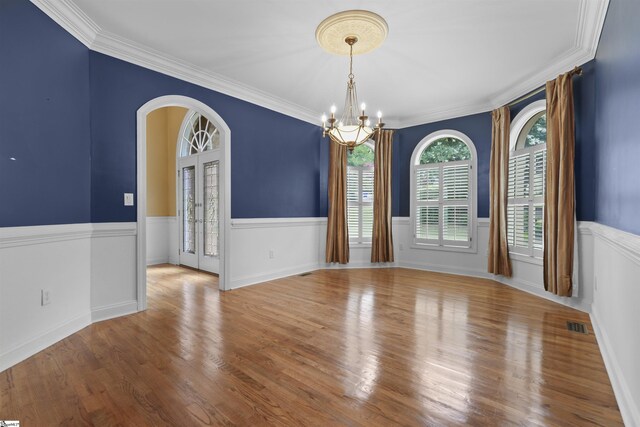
x: 354, y: 127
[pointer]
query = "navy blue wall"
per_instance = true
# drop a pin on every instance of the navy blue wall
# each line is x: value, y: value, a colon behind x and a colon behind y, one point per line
x: 617, y: 122
x: 67, y: 117
x: 274, y: 158
x: 477, y: 127
x: 44, y: 120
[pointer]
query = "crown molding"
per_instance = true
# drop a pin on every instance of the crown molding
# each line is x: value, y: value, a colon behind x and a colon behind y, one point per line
x: 126, y: 50
x: 439, y: 115
x: 70, y: 17
x: 590, y: 23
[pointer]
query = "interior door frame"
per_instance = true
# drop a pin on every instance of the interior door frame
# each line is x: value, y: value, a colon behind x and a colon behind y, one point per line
x: 224, y: 279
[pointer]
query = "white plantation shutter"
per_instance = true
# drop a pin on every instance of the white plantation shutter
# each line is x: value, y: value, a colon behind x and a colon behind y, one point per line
x: 519, y: 171
x: 360, y: 203
x: 428, y: 184
x: 525, y: 200
x: 538, y: 217
x: 443, y: 204
x: 539, y: 172
x: 428, y: 190
x: 455, y: 182
x: 428, y: 223
x: 455, y: 226
x: 353, y: 199
x: 367, y: 204
x: 518, y: 226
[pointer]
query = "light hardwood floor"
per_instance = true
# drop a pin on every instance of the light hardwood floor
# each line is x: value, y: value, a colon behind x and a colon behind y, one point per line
x: 337, y: 347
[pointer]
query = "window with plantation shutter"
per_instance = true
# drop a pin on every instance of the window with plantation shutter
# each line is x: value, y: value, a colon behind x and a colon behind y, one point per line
x: 360, y: 194
x: 527, y: 181
x: 443, y: 187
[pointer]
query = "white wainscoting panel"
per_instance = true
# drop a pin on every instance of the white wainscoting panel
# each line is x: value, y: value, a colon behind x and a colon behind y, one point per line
x: 616, y: 313
x: 269, y: 248
x: 465, y: 263
x: 174, y: 241
x: 162, y: 240
x: 55, y: 258
x: 113, y: 270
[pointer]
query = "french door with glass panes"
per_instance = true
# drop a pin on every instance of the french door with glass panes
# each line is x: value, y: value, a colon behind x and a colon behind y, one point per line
x: 198, y: 211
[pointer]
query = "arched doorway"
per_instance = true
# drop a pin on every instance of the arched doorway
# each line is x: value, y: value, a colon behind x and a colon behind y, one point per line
x: 224, y: 186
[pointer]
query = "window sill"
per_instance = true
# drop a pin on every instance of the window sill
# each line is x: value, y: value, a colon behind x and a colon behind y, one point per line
x: 529, y: 259
x: 428, y: 247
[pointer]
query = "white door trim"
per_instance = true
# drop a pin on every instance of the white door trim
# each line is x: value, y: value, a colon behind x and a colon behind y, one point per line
x: 141, y: 179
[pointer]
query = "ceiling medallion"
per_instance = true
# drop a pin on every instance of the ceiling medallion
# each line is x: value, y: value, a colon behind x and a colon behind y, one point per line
x: 369, y: 28
x: 351, y: 32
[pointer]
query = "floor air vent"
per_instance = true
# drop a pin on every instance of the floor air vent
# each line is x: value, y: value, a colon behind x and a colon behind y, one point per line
x: 577, y: 327
x: 305, y: 274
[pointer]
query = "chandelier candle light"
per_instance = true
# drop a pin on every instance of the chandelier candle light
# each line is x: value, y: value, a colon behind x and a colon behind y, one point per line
x: 354, y: 127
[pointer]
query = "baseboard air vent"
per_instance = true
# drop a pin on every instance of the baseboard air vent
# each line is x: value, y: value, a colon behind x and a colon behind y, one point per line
x: 305, y: 274
x: 577, y: 327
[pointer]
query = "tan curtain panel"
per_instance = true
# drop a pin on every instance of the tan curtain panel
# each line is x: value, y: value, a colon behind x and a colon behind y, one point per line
x: 499, y: 262
x: 337, y: 231
x: 559, y: 201
x: 382, y: 239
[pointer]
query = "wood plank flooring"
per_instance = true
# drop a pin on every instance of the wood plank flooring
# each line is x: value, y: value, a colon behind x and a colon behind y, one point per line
x: 338, y: 347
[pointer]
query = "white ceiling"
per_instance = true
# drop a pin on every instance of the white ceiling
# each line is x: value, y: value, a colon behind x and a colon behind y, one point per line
x: 441, y: 59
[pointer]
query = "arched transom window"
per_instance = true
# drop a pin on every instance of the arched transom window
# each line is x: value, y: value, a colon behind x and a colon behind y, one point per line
x: 443, y: 191
x: 198, y: 135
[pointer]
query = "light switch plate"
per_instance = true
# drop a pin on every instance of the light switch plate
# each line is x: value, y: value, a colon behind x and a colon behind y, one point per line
x: 128, y: 199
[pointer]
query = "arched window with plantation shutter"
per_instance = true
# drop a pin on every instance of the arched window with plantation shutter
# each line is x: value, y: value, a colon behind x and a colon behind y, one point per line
x: 443, y: 186
x: 527, y: 178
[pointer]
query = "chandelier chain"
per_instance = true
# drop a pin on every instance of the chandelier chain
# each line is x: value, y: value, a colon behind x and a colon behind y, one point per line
x: 351, y: 76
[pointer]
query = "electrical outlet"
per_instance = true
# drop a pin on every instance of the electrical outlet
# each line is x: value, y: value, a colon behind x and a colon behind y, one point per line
x: 128, y: 199
x: 272, y: 254
x: 45, y: 297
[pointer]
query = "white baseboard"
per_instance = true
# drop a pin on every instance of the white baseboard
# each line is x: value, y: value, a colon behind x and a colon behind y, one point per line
x: 446, y: 269
x: 36, y: 344
x: 156, y: 261
x: 260, y: 278
x: 628, y: 409
x: 107, y: 312
x: 353, y: 265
